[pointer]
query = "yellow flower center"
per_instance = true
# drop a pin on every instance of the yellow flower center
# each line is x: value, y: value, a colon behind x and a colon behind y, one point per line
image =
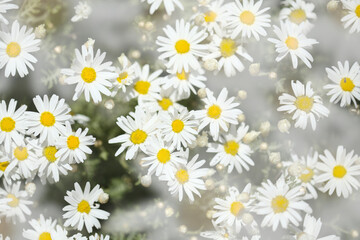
x: 13, y: 49
x: 163, y: 155
x: 307, y: 176
x: 3, y: 166
x: 88, y: 74
x: 210, y: 16
x: 247, y: 17
x: 292, y: 43
x: 182, y: 46
x: 279, y: 204
x: 231, y: 147
x: 7, y: 124
x: 177, y: 125
x: 339, y: 171
x: 138, y: 136
x: 357, y: 11
x: 49, y: 152
x: 228, y: 47
x: 297, y: 16
x: 347, y: 84
x: 304, y: 103
x: 142, y: 87
x: 165, y: 103
x: 214, y: 111
x: 236, y: 208
x: 73, y: 142
x: 183, y: 75
x: 122, y: 76
x: 84, y: 207
x: 182, y: 176
x: 47, y: 119
x: 21, y: 153
x: 45, y: 236
x: 14, y: 200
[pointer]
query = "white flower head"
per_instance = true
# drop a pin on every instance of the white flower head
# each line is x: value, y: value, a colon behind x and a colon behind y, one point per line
x: 352, y: 18
x: 41, y: 229
x: 82, y: 11
x: 312, y: 227
x: 168, y: 4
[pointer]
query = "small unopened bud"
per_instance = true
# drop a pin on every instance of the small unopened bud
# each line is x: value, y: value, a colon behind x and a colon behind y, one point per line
x: 354, y: 234
x: 247, y: 218
x: 250, y: 136
x: 211, y: 65
x: 40, y: 31
x: 135, y: 54
x: 146, y: 180
x: 199, y: 19
x: 244, y: 197
x: 265, y: 128
x: 279, y: 165
x: 254, y: 69
x: 183, y: 229
x: 103, y: 198
x: 272, y: 75
x: 149, y: 26
x: 202, y: 93
x: 169, y: 211
x: 90, y: 42
x: 296, y: 169
x: 284, y: 126
x: 332, y: 5
x: 210, y: 213
x: 30, y: 188
x: 242, y: 94
x: 274, y: 157
x: 263, y: 146
x: 241, y: 117
x: 219, y: 167
x: 202, y: 141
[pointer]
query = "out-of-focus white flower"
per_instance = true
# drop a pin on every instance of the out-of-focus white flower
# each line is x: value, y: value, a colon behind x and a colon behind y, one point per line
x: 169, y: 5
x: 312, y: 229
x: 284, y: 125
x: 82, y: 11
x: 353, y: 15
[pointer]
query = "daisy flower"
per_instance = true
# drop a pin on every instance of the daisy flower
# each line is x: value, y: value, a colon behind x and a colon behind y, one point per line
x: 246, y: 18
x: 231, y: 151
x: 220, y: 233
x: 125, y: 74
x: 42, y: 229
x: 300, y: 13
x: 182, y: 46
x: 161, y: 158
x: 8, y: 176
x: 61, y: 233
x: 230, y: 210
x: 13, y: 124
x: 49, y: 120
x: 147, y: 85
x: 5, y: 5
x: 138, y: 126
x: 16, y: 47
x: 218, y: 112
x: 346, y: 83
x: 16, y: 199
x: 169, y: 5
x: 215, y: 16
x: 305, y: 105
x: 90, y: 74
x: 73, y: 146
x: 187, y: 178
x: 83, y: 209
x: 178, y: 128
x: 99, y: 237
x: 280, y: 204
x: 82, y: 11
x: 312, y: 229
x: 353, y: 15
x: 338, y: 173
x: 185, y: 82
x: 228, y: 50
x: 291, y: 40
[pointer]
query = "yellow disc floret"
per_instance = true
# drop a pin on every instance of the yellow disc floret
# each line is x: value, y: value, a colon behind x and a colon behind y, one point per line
x: 14, y: 200
x: 45, y: 236
x: 297, y: 16
x: 21, y: 153
x: 165, y: 103
x: 247, y: 17
x: 49, y: 152
x: 228, y: 47
x: 292, y: 43
x: 339, y: 171
x: 7, y: 124
x: 214, y: 111
x: 84, y: 207
x: 47, y: 119
x: 347, y: 84
x: 177, y: 125
x: 13, y: 49
x: 182, y: 176
x: 142, y: 87
x: 231, y: 147
x: 304, y: 103
x: 163, y: 155
x: 182, y: 46
x: 210, y: 16
x: 138, y: 136
x: 236, y: 208
x: 73, y: 142
x: 279, y: 204
x: 88, y: 74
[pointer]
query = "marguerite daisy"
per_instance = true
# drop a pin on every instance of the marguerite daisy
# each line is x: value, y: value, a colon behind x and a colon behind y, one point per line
x: 16, y: 47
x: 169, y: 5
x: 4, y: 7
x: 246, y: 18
x: 312, y: 229
x: 83, y: 209
x: 300, y: 13
x: 218, y: 112
x: 215, y: 16
x: 346, y: 83
x: 291, y: 40
x: 43, y: 229
x: 305, y: 105
x: 90, y: 74
x: 280, y: 204
x: 182, y: 46
x: 353, y: 15
x: 338, y: 173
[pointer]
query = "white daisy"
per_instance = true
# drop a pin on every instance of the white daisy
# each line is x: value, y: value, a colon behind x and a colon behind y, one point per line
x: 300, y: 13
x: 161, y: 158
x: 99, y: 237
x: 49, y: 120
x: 291, y: 40
x: 231, y: 151
x: 43, y: 229
x: 73, y: 146
x: 83, y: 209
x: 13, y: 124
x: 353, y: 15
x: 215, y: 16
x: 312, y: 229
x: 231, y: 209
x: 182, y: 46
x: 218, y: 112
x: 4, y: 7
x: 187, y: 178
x: 178, y: 128
x: 8, y: 176
x: 16, y: 47
x: 305, y: 105
x: 61, y: 234
x: 169, y: 5
x: 138, y: 126
x: 220, y: 233
x: 16, y: 199
x: 228, y: 50
x: 90, y: 74
x: 82, y: 11
x: 185, y: 82
x: 338, y: 173
x: 246, y: 18
x: 280, y: 204
x: 346, y: 83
